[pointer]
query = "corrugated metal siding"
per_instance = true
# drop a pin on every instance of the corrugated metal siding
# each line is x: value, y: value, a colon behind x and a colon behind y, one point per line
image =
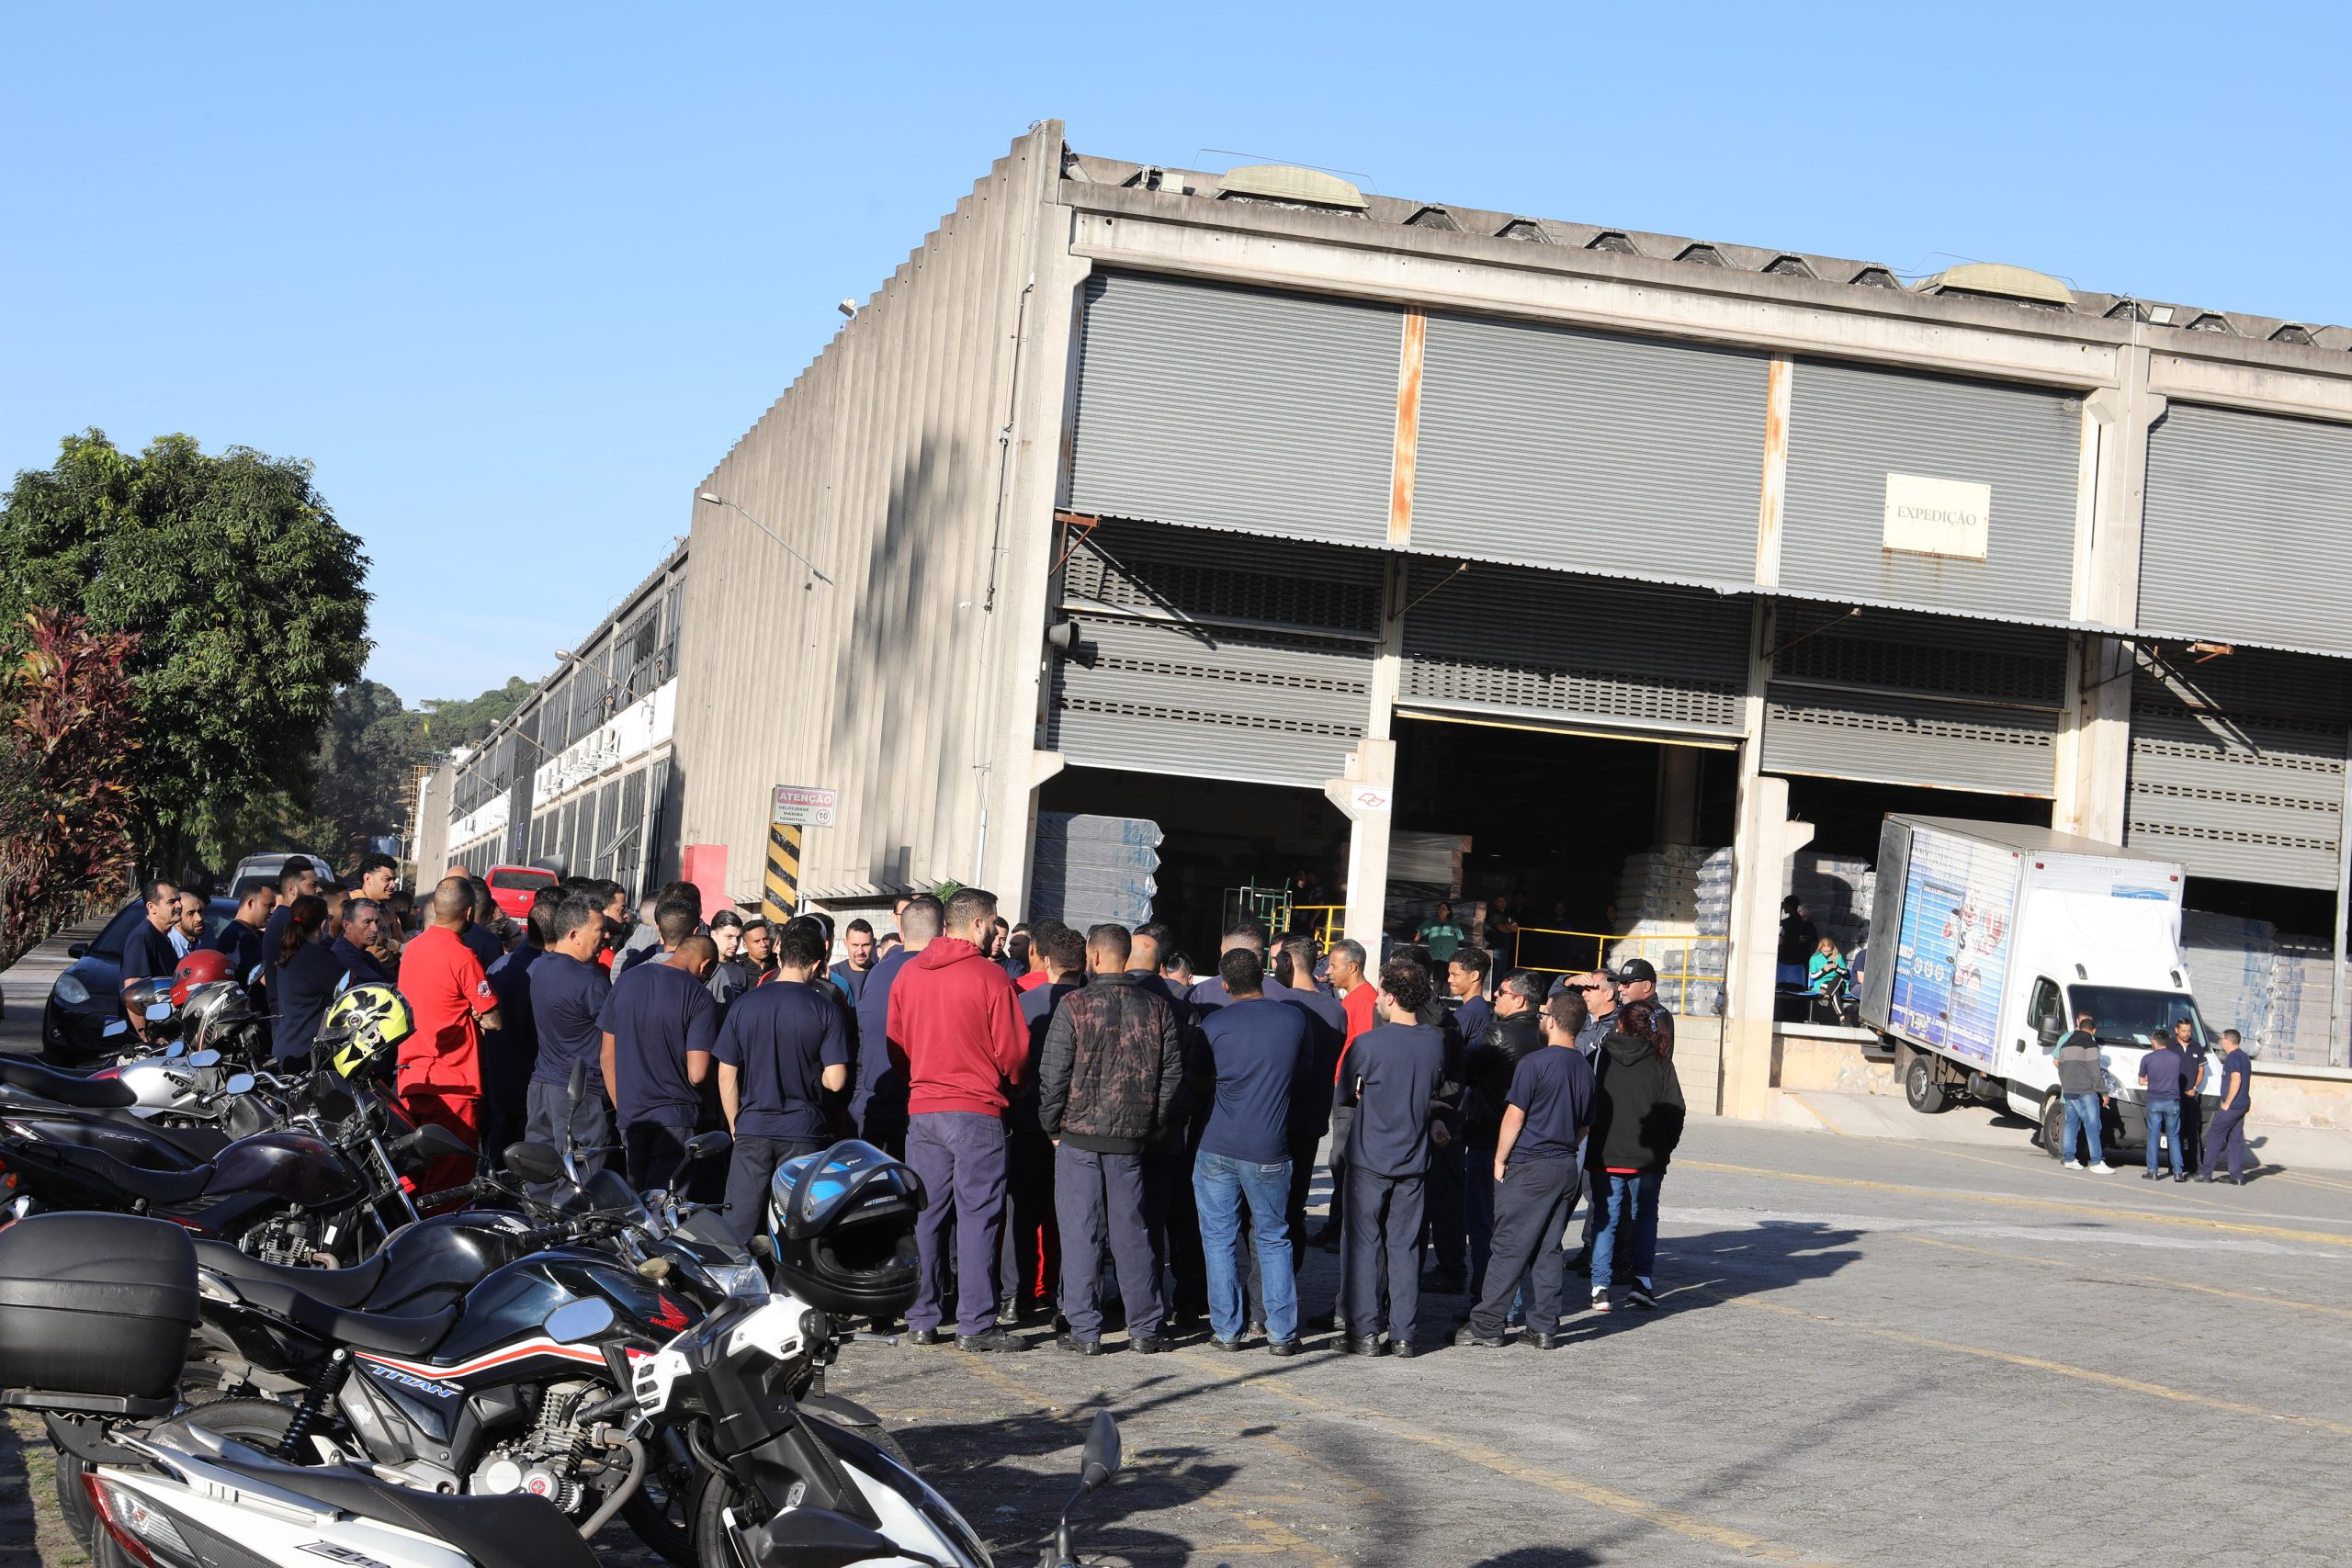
x: 2266, y: 501
x: 2237, y: 767
x: 882, y: 464
x: 1896, y: 698
x: 1850, y: 427
x: 1546, y: 446
x: 1509, y: 641
x: 1213, y: 657
x: 1235, y: 408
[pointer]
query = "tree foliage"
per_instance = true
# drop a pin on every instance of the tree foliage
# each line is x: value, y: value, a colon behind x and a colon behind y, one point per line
x: 369, y: 750
x: 69, y: 751
x: 248, y: 603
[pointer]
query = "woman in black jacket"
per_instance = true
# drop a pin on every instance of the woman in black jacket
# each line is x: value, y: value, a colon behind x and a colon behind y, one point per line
x: 1637, y: 1121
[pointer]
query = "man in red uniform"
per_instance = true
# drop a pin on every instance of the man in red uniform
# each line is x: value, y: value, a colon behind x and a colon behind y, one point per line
x: 440, y: 1066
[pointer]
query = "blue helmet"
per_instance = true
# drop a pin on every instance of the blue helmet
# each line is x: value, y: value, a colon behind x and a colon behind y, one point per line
x: 846, y: 1230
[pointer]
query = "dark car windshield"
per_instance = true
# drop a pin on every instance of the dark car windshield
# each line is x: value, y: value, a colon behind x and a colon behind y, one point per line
x: 117, y: 936
x: 2121, y: 1016
x: 510, y: 880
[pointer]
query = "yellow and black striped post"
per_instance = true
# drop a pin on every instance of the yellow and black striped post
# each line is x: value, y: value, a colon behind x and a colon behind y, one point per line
x: 784, y: 871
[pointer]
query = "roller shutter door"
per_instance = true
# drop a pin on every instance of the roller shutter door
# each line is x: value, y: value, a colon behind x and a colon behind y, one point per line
x: 1850, y: 427
x: 1547, y: 446
x: 1213, y: 657
x: 1234, y: 408
x: 1915, y: 700
x: 2237, y: 766
x: 2266, y: 501
x: 1514, y: 643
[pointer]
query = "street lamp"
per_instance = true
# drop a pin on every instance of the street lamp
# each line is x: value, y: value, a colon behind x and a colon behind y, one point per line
x: 814, y: 569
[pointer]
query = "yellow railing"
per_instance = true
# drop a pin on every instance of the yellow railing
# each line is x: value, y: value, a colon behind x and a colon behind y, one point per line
x: 1670, y: 955
x: 1328, y: 921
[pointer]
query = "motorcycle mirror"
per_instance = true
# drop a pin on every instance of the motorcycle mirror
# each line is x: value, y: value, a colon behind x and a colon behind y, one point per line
x: 577, y: 1320
x: 436, y: 1141
x: 819, y: 1538
x: 115, y: 1029
x: 578, y: 1086
x: 708, y: 1145
x: 203, y: 1059
x: 534, y: 1163
x: 242, y: 1084
x: 159, y: 1012
x: 1100, y: 1461
x: 174, y: 1050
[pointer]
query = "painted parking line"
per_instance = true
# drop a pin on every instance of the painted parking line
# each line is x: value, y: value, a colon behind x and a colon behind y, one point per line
x: 2031, y: 1363
x: 2078, y: 1264
x: 1691, y: 1526
x: 2098, y: 1210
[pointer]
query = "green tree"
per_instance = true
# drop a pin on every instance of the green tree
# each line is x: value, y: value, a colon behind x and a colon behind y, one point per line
x: 249, y: 604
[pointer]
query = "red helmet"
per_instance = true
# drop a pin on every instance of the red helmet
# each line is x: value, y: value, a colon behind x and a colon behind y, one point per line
x: 197, y: 968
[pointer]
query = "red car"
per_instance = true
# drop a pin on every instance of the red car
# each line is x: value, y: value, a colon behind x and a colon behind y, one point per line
x: 512, y: 887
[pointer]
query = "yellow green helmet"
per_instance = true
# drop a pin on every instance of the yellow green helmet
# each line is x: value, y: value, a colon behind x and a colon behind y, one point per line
x: 364, y: 1029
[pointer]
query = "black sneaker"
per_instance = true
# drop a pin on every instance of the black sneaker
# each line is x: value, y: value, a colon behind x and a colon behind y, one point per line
x: 1281, y: 1347
x: 1150, y: 1343
x: 1077, y: 1346
x: 2206, y: 1177
x: 2150, y: 1176
x: 1470, y: 1338
x: 1642, y: 1296
x: 2182, y: 1176
x: 925, y: 1336
x: 998, y: 1340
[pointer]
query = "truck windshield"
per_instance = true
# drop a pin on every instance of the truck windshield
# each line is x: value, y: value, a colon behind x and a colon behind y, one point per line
x: 2124, y: 1017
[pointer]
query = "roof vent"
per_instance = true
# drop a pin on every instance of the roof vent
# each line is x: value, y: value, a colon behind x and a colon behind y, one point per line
x: 2210, y: 322
x: 1703, y: 256
x: 1874, y: 278
x: 1433, y: 217
x: 2292, y: 333
x: 1289, y: 183
x: 1613, y: 242
x: 1525, y: 229
x: 2127, y: 310
x: 1790, y: 267
x: 1997, y: 280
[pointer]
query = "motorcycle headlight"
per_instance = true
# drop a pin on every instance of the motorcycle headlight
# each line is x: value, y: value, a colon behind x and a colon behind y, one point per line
x: 742, y: 1281
x: 70, y: 991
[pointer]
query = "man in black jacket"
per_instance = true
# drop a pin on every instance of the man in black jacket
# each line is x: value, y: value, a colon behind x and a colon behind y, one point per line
x: 1107, y: 1084
x: 1516, y: 1034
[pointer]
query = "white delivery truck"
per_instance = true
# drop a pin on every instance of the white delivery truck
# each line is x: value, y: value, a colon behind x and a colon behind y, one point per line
x: 1988, y: 939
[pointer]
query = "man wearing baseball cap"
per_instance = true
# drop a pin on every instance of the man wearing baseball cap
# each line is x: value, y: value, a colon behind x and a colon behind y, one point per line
x: 1637, y: 982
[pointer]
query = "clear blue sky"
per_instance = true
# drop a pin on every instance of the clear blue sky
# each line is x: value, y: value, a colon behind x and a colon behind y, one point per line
x: 515, y: 276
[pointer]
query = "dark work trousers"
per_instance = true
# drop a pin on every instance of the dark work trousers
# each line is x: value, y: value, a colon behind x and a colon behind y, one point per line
x: 960, y: 1155
x: 552, y: 1118
x: 2227, y: 1134
x: 656, y: 1150
x: 1532, y: 1209
x: 1174, y: 1219
x: 882, y: 1122
x: 1031, y: 1268
x: 750, y: 1169
x: 1447, y: 1231
x: 1343, y: 1120
x: 1478, y: 1208
x: 1383, y: 1245
x: 2192, y: 1130
x: 1098, y: 1199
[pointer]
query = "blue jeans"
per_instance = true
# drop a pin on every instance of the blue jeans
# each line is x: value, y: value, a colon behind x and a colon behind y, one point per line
x: 1221, y: 1184
x: 2163, y: 1117
x: 2082, y: 1110
x: 1628, y: 1211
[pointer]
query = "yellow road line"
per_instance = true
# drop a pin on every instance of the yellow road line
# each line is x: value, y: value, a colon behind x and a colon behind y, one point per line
x: 2102, y: 1210
x: 2134, y: 1278
x: 2037, y: 1363
x: 2313, y: 1179
x: 2020, y: 1169
x: 1690, y: 1525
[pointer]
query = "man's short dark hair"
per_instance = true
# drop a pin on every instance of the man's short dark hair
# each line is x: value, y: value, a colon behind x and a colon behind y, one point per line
x: 355, y: 907
x: 1111, y: 938
x: 1567, y: 1009
x: 1242, y: 971
x: 725, y: 918
x: 153, y: 888
x: 376, y: 860
x: 1474, y: 959
x: 1245, y: 931
x: 1159, y: 933
x: 676, y: 920
x: 575, y: 910
x: 1413, y: 952
x: 801, y: 944
x: 923, y: 918
x: 1407, y: 983
x: 1524, y: 984
x: 1065, y: 947
x: 859, y: 924
x: 968, y: 905
x: 2234, y: 1037
x: 295, y: 867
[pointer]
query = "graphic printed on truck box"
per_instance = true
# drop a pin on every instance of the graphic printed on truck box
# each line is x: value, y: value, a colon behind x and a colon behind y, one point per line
x: 1953, y: 953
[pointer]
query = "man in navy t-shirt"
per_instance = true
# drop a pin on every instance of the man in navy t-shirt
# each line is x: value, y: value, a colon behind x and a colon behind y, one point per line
x: 148, y: 951
x: 2228, y: 1130
x: 783, y: 1046
x: 2162, y: 1071
x: 1262, y: 1064
x: 659, y: 1025
x: 568, y: 995
x: 1545, y: 1118
x: 1392, y: 1077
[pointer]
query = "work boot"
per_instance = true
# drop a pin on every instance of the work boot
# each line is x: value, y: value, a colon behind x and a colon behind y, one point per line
x: 1077, y: 1346
x: 925, y: 1336
x: 1281, y: 1347
x: 1150, y: 1343
x: 1470, y: 1338
x: 997, y: 1341
x: 1365, y: 1344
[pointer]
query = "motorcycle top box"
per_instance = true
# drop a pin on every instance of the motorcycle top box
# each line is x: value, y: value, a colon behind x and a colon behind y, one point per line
x: 96, y: 1304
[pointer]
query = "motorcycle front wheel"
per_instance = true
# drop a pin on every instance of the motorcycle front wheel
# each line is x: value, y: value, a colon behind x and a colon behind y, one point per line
x: 713, y: 1543
x: 661, y: 1510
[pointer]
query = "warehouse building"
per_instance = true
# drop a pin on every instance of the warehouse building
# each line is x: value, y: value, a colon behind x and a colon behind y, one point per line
x: 1299, y: 520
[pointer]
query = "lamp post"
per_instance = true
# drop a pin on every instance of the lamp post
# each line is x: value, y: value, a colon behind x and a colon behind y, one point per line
x: 709, y: 498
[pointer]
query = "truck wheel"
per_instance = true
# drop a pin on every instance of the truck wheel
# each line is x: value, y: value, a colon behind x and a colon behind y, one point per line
x: 1920, y: 1087
x: 2053, y: 1126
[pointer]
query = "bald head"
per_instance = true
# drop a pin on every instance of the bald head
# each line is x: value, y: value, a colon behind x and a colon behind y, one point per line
x: 453, y: 903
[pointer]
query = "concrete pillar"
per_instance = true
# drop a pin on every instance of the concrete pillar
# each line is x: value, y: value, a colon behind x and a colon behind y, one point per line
x: 1677, y: 794
x: 2095, y: 734
x: 1364, y: 800
x: 1759, y: 864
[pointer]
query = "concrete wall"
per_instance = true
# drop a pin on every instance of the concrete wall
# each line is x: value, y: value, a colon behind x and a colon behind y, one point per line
x: 907, y: 683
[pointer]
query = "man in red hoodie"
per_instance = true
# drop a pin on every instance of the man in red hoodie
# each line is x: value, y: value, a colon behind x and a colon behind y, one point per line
x: 955, y: 1031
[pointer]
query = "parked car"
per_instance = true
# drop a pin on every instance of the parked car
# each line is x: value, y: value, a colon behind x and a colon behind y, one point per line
x: 264, y: 868
x: 512, y: 887
x: 88, y: 995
